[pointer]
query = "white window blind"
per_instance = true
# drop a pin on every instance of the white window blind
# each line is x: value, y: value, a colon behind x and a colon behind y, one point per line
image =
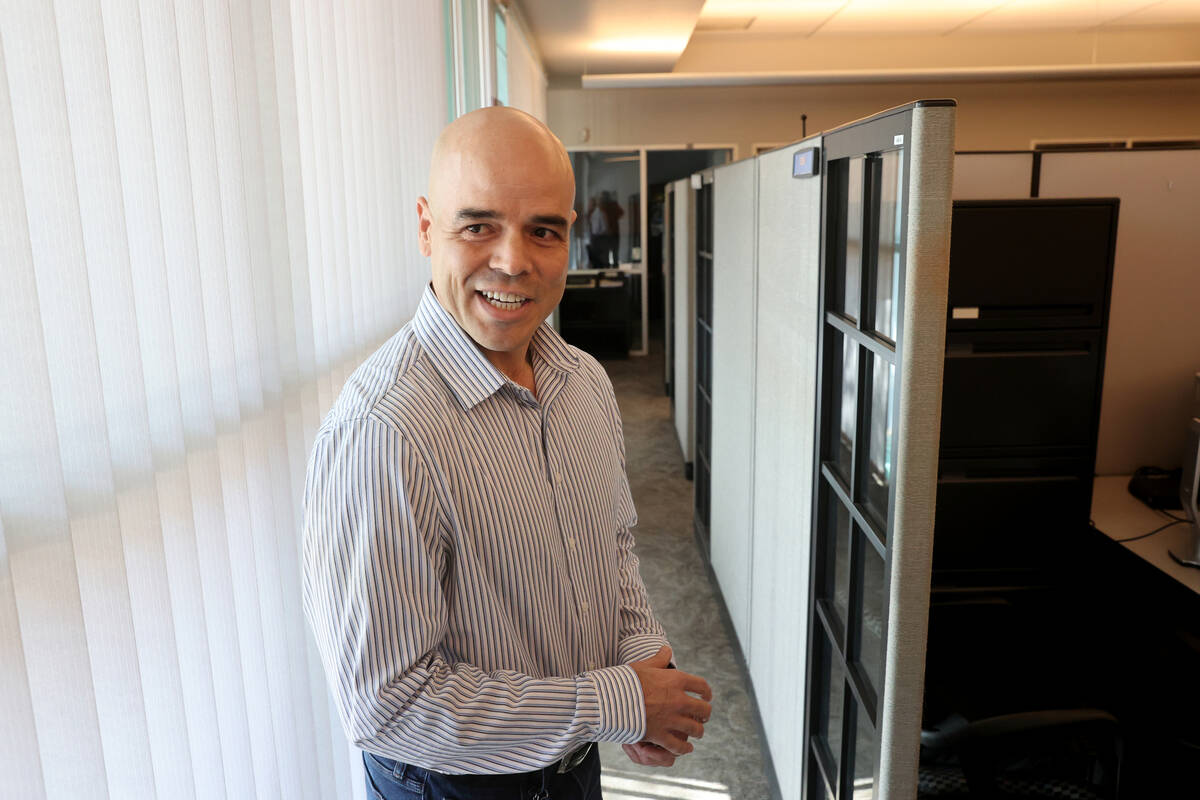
x: 207, y: 219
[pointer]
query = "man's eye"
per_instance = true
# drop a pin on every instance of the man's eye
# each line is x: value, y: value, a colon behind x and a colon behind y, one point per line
x: 476, y: 229
x: 544, y: 233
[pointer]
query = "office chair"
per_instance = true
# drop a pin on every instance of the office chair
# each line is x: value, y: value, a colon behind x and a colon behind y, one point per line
x: 1001, y: 715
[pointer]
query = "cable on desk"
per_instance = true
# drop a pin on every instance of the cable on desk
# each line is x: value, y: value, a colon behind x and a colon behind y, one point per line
x: 1151, y: 533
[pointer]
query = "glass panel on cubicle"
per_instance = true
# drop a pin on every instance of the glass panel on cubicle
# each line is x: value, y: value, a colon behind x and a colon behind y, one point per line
x: 863, y: 273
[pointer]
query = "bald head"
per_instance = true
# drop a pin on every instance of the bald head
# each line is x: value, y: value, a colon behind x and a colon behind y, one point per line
x: 496, y: 228
x: 499, y: 141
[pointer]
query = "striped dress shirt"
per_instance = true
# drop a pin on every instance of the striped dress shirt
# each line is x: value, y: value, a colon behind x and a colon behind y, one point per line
x: 469, y: 573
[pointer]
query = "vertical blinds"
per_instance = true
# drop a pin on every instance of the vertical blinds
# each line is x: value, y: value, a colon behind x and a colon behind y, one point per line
x: 207, y: 218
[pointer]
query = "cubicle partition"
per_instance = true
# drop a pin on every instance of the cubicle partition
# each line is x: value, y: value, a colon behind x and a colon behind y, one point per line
x: 1154, y: 322
x: 668, y: 270
x: 735, y: 288
x: 788, y: 238
x: 993, y: 176
x: 830, y: 265
x: 683, y: 397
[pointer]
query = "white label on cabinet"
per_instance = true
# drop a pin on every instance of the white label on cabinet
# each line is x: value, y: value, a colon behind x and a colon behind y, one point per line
x: 964, y: 312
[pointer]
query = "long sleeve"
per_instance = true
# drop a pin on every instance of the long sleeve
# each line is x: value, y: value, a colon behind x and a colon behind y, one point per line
x: 640, y: 635
x: 375, y: 565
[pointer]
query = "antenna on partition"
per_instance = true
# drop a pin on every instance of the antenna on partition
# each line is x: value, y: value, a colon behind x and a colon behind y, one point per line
x: 804, y: 126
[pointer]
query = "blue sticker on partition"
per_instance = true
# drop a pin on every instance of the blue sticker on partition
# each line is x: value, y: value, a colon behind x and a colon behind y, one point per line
x: 806, y: 163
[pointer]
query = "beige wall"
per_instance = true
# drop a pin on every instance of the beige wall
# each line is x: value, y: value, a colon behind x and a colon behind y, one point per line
x: 991, y: 116
x: 725, y: 52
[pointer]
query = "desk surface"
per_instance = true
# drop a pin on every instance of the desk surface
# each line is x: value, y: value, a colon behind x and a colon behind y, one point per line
x: 1119, y: 515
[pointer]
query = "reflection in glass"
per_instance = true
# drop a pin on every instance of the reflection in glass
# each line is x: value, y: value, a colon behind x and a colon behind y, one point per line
x: 870, y: 653
x: 887, y: 268
x: 607, y: 201
x: 851, y: 286
x: 879, y: 454
x: 837, y: 537
x: 842, y: 396
x: 864, y: 759
x: 845, y: 286
x: 832, y: 692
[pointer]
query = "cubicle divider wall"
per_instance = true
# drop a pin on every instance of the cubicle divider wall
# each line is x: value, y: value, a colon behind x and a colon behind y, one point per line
x: 702, y: 470
x: 668, y: 244
x: 735, y: 286
x: 683, y: 322
x: 828, y: 317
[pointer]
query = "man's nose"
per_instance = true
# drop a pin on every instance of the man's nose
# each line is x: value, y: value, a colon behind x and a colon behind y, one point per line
x: 511, y: 255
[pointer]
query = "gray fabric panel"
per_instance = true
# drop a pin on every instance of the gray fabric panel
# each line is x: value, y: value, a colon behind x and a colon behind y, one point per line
x: 992, y: 176
x: 735, y: 244
x: 924, y: 335
x: 685, y: 316
x: 789, y: 241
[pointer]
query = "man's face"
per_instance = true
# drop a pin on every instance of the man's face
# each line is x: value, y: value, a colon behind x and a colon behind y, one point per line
x: 496, y: 230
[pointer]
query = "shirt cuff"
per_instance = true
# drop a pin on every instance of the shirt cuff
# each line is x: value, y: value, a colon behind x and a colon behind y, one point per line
x: 616, y: 694
x: 640, y: 647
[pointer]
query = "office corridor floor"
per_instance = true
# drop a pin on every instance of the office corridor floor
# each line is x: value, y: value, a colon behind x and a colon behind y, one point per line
x: 727, y: 763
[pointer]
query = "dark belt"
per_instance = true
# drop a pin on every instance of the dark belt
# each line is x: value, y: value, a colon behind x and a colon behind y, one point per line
x: 570, y: 761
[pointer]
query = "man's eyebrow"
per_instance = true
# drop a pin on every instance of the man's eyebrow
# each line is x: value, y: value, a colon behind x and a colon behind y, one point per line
x: 550, y: 219
x: 464, y: 214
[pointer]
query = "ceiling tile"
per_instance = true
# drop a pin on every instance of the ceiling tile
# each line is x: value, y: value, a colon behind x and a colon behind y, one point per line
x: 1033, y: 15
x: 774, y: 16
x: 907, y: 17
x: 1169, y: 12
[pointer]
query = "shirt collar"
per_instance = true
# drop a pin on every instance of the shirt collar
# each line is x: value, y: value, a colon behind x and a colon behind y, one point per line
x: 463, y: 365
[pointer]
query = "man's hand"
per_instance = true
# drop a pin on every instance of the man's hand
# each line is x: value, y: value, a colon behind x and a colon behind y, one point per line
x: 648, y: 755
x: 673, y: 715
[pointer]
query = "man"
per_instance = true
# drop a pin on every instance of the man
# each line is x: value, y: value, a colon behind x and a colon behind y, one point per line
x: 612, y: 220
x: 468, y: 565
x: 597, y: 224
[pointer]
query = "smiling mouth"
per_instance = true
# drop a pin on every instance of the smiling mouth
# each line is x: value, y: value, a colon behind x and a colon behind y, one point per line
x: 505, y: 301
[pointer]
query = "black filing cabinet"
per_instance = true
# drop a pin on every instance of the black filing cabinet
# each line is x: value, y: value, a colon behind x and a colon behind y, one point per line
x: 1026, y: 319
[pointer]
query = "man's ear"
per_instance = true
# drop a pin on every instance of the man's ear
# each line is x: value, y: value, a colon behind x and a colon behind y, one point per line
x: 424, y: 226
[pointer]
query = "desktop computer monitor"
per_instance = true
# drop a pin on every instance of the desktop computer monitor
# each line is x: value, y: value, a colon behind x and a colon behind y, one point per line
x: 1189, y: 487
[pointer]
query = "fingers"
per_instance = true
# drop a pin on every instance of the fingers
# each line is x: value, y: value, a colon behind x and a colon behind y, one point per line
x: 676, y: 743
x: 648, y: 754
x: 696, y: 685
x: 689, y: 727
x: 698, y: 709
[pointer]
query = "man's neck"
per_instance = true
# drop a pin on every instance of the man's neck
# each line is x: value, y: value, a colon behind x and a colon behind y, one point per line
x: 516, y: 366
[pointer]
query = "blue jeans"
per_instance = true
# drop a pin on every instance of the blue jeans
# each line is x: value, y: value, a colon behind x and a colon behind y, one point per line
x: 393, y: 780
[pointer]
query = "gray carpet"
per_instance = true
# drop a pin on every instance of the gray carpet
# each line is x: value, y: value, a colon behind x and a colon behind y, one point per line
x: 727, y: 763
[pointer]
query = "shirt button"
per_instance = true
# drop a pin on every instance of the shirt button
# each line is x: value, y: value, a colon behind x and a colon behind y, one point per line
x: 583, y: 605
x: 571, y: 543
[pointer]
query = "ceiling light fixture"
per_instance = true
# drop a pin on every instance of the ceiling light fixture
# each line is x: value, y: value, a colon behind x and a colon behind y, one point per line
x: 640, y: 44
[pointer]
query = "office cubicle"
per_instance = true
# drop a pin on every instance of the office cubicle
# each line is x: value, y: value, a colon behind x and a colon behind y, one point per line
x: 786, y: 524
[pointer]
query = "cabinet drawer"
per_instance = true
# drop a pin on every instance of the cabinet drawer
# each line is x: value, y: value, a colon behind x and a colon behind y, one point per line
x: 1009, y: 513
x: 1030, y: 264
x: 1020, y: 389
